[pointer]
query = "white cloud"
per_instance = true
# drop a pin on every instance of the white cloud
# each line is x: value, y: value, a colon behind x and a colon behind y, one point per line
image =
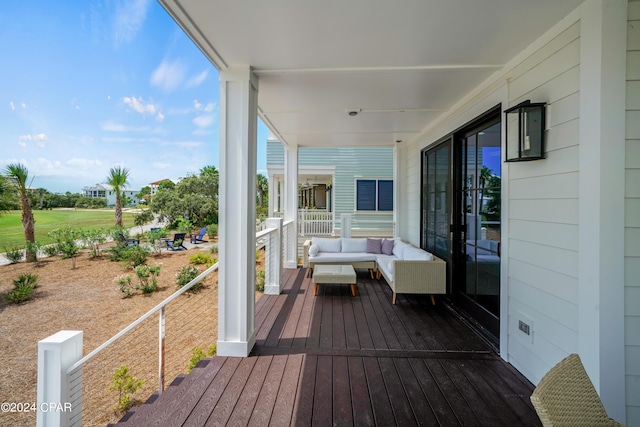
x: 118, y: 127
x: 160, y: 117
x: 39, y: 139
x: 158, y: 165
x: 128, y: 19
x: 23, y: 105
x: 197, y: 80
x: 83, y: 164
x: 138, y: 105
x: 169, y: 75
x: 13, y: 107
x: 190, y: 144
x: 204, y: 120
x: 210, y: 107
x: 197, y: 105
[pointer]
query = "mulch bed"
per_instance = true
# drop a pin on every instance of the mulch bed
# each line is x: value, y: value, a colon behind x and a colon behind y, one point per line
x: 82, y: 298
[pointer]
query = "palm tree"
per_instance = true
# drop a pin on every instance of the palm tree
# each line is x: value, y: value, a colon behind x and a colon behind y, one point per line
x: 262, y: 188
x: 485, y: 175
x: 17, y: 176
x: 118, y: 178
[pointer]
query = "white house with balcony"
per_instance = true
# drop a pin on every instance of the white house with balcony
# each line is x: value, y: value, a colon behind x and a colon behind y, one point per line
x: 432, y: 81
x: 105, y: 191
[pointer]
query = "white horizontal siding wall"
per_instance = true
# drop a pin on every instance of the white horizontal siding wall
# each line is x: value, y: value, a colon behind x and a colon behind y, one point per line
x: 632, y: 217
x: 543, y: 212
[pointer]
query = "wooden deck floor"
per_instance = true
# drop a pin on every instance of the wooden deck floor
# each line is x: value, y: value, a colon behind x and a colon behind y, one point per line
x: 340, y: 360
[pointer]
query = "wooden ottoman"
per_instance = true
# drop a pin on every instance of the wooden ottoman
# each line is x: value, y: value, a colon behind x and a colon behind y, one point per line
x: 329, y: 273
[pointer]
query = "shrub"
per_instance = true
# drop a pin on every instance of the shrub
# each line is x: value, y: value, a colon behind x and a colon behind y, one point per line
x: 198, y: 354
x: 14, y: 255
x: 183, y: 225
x: 34, y: 247
x: 200, y: 259
x: 186, y: 275
x: 131, y: 256
x: 23, y: 287
x: 212, y: 231
x: 66, y: 243
x: 260, y: 280
x: 93, y: 238
x: 214, y: 249
x: 126, y: 386
x: 155, y: 236
x: 148, y: 276
x: 124, y: 285
x: 50, y: 250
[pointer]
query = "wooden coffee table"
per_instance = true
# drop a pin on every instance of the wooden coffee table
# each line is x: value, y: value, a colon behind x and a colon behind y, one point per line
x: 329, y: 273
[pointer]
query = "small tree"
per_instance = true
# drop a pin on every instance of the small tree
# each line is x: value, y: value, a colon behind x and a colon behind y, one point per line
x: 17, y: 176
x: 142, y: 218
x: 126, y: 386
x: 118, y: 178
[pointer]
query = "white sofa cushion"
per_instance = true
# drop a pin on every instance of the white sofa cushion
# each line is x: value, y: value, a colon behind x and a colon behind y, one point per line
x: 411, y: 253
x: 385, y: 264
x: 398, y: 248
x: 342, y: 257
x: 313, y: 250
x: 326, y: 244
x: 353, y: 245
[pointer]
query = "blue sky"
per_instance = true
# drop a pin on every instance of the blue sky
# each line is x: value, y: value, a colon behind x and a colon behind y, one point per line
x: 89, y: 85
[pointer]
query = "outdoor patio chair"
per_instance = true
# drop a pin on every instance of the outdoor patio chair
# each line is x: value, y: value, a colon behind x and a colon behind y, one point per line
x: 127, y: 240
x: 566, y: 397
x: 176, y: 243
x: 199, y: 237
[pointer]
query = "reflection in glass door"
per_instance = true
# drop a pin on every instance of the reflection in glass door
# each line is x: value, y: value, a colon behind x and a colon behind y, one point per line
x: 436, y: 201
x: 477, y: 270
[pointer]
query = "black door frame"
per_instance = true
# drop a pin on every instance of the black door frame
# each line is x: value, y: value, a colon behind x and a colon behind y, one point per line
x: 484, y: 322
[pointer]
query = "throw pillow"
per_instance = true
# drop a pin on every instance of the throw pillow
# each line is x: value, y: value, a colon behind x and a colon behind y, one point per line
x: 313, y: 250
x: 374, y: 246
x: 387, y: 247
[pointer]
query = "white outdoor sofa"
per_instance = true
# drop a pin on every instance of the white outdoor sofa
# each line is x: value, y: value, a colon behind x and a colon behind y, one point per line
x: 406, y: 268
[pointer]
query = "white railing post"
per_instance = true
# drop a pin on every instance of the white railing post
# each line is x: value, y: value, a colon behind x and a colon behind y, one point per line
x: 345, y: 225
x: 273, y: 258
x: 56, y: 354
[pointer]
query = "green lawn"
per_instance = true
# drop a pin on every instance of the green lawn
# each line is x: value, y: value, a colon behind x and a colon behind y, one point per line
x: 12, y: 233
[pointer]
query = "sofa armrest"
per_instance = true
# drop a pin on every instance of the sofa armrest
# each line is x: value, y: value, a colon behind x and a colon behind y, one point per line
x: 428, y: 277
x: 305, y: 253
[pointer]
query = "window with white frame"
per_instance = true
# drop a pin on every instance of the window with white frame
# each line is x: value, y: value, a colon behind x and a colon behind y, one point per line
x: 374, y: 195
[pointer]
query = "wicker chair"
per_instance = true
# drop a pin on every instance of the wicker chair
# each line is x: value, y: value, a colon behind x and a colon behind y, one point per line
x: 566, y: 397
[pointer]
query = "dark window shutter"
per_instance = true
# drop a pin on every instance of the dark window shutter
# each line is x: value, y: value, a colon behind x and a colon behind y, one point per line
x: 385, y: 195
x: 366, y: 195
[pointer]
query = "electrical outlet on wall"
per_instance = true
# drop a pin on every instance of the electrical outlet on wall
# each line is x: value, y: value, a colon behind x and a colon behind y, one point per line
x: 525, y: 326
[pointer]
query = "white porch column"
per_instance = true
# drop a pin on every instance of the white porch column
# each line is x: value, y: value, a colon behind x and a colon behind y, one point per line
x: 601, y: 223
x: 56, y: 354
x: 237, y: 211
x: 272, y: 195
x: 291, y: 202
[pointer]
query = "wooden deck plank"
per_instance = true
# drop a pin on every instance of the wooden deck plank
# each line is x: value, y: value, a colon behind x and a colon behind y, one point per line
x: 326, y: 322
x: 402, y: 411
x: 212, y: 394
x: 302, y: 329
x: 303, y: 408
x: 322, y: 399
x: 249, y: 396
x: 371, y: 319
x: 350, y: 328
x: 342, y: 410
x: 360, y: 402
x: 339, y: 339
x: 415, y: 395
x: 382, y: 412
x: 286, y: 399
x: 293, y: 320
x: 313, y: 340
x: 362, y: 327
x: 267, y: 397
x: 402, y: 339
x: 229, y: 398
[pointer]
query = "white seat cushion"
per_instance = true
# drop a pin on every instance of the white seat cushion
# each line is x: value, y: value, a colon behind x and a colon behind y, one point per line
x: 329, y: 257
x: 353, y: 245
x: 386, y: 265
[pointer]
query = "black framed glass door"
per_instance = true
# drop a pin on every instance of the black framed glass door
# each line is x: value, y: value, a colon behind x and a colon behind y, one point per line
x: 436, y: 201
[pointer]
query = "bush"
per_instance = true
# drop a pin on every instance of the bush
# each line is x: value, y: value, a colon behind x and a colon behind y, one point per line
x: 124, y: 285
x: 203, y: 259
x: 14, y: 255
x: 126, y: 386
x: 50, y: 250
x: 212, y: 231
x: 131, y: 256
x: 148, y: 276
x: 260, y: 280
x: 93, y: 238
x: 23, y: 287
x: 198, y: 354
x: 186, y: 275
x: 65, y: 244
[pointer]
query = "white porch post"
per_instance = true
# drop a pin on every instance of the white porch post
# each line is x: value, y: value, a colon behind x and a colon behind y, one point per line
x: 601, y: 225
x: 237, y: 212
x: 291, y: 202
x: 272, y: 195
x: 56, y: 354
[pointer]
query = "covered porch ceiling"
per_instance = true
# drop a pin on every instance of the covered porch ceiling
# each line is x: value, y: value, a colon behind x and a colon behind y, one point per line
x: 400, y: 65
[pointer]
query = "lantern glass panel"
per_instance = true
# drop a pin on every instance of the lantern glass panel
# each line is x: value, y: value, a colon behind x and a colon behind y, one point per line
x: 513, y: 135
x: 533, y: 128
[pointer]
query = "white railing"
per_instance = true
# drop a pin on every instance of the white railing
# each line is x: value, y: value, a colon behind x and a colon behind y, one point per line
x: 83, y: 384
x: 315, y: 222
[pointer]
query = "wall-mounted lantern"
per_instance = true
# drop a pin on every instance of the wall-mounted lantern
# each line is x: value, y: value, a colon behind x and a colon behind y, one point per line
x: 525, y: 131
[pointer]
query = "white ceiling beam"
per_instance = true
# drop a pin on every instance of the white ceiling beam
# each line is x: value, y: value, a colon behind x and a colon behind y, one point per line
x: 264, y: 71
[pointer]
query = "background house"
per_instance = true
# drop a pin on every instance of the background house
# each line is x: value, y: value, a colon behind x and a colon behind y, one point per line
x: 338, y: 180
x: 105, y: 191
